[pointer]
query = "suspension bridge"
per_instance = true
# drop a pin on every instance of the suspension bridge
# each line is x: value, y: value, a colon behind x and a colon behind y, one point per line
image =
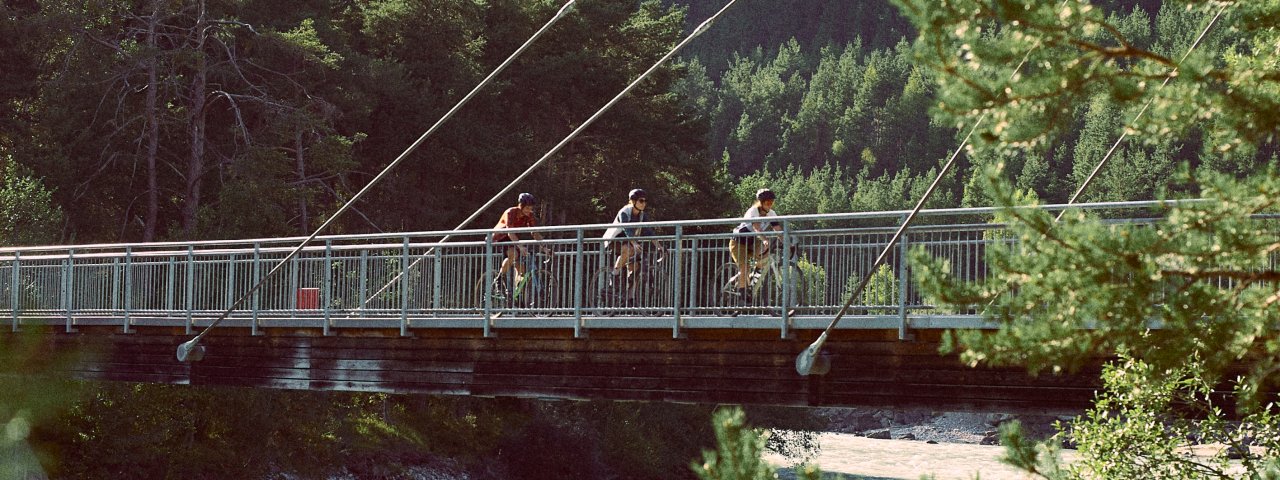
x: 410, y: 313
x: 419, y: 312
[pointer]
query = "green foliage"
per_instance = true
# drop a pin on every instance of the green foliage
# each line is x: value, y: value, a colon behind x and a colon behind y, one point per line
x: 881, y: 289
x: 30, y: 397
x: 28, y: 215
x: 815, y: 278
x: 739, y: 450
x: 1082, y: 289
x: 1148, y: 423
x: 1075, y: 50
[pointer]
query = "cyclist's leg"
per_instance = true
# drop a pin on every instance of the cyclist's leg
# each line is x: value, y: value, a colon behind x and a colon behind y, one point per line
x: 624, y: 267
x: 511, y: 258
x: 740, y: 250
x: 624, y: 257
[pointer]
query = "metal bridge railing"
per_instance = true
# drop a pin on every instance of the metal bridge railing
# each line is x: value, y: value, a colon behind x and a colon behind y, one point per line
x: 356, y: 281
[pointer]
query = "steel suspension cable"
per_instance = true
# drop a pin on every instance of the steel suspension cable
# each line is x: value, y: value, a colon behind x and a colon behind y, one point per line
x: 1125, y: 132
x: 805, y: 362
x: 187, y: 351
x: 706, y: 24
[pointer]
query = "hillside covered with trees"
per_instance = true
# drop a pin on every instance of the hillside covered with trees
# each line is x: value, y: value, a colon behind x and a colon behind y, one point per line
x: 153, y: 120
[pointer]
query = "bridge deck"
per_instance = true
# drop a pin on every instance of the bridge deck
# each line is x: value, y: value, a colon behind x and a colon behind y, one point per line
x: 869, y: 367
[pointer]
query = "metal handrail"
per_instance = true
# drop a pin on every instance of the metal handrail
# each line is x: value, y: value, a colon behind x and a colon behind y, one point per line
x: 891, y: 215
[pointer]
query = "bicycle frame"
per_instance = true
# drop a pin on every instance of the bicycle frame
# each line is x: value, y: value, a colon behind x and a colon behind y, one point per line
x: 531, y: 266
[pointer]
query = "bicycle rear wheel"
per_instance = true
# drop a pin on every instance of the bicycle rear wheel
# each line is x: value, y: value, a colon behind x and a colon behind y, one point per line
x: 726, y: 300
x: 600, y: 296
x: 498, y: 298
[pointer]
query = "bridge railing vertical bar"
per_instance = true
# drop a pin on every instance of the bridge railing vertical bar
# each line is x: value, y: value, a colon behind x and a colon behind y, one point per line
x: 902, y: 284
x: 363, y: 297
x: 785, y: 251
x: 117, y: 274
x: 694, y: 279
x: 256, y: 300
x: 229, y: 296
x: 128, y: 288
x: 190, y: 286
x: 171, y: 284
x: 404, y: 287
x: 326, y: 287
x: 294, y: 272
x: 579, y: 284
x: 68, y: 283
x: 437, y: 282
x: 677, y: 295
x: 487, y: 288
x: 15, y: 287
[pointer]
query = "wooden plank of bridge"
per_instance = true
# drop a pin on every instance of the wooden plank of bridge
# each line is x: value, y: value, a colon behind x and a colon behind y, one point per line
x: 869, y: 368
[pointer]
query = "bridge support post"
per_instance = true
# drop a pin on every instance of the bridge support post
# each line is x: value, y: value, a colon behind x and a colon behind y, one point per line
x: 693, y: 274
x: 677, y: 249
x: 487, y: 288
x: 364, y: 279
x: 128, y: 288
x: 68, y: 284
x: 191, y: 285
x: 257, y: 272
x: 327, y: 287
x: 437, y: 273
x: 231, y: 281
x: 404, y: 287
x: 579, y: 285
x: 14, y: 298
x: 116, y: 289
x: 170, y: 286
x: 786, y: 280
x: 903, y: 334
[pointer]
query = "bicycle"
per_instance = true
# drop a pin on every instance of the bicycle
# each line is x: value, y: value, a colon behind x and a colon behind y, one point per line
x: 532, y: 291
x: 766, y: 285
x: 640, y: 290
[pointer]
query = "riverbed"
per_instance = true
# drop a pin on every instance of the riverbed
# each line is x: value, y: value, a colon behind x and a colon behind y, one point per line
x: 859, y: 457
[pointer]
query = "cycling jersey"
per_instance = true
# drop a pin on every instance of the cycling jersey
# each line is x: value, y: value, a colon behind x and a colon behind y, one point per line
x: 628, y: 214
x: 754, y: 212
x: 514, y: 217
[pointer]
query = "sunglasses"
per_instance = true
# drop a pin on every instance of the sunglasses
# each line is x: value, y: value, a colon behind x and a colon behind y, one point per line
x: 641, y: 200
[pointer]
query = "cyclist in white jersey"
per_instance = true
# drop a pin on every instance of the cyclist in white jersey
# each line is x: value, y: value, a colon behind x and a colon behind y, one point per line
x: 748, y: 247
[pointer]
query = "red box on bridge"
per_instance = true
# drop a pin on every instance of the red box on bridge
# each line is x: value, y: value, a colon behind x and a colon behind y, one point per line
x: 308, y: 299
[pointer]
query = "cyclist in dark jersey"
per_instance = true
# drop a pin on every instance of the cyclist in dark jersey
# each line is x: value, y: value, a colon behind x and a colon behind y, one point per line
x: 519, y: 216
x: 623, y: 241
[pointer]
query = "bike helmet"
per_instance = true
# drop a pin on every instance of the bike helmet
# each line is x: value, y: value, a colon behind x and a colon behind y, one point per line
x: 637, y: 194
x: 527, y: 199
x: 765, y: 194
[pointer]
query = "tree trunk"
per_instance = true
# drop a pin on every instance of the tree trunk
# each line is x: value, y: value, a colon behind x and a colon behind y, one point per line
x: 153, y: 128
x: 195, y: 165
x: 302, y: 178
